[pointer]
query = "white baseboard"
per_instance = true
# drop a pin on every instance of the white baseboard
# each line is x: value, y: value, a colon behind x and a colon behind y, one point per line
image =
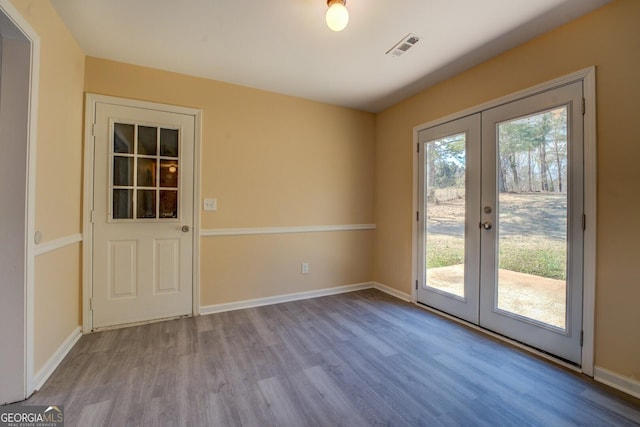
x: 258, y: 302
x: 627, y: 385
x: 393, y: 292
x: 45, y: 372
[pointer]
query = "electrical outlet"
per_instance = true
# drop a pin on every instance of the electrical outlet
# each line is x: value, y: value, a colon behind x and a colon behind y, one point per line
x: 305, y: 268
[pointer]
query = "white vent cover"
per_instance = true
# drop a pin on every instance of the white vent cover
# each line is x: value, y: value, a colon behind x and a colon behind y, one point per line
x: 404, y: 45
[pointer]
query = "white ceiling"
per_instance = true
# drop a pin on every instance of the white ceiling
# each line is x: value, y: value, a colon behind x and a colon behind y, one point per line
x: 284, y: 46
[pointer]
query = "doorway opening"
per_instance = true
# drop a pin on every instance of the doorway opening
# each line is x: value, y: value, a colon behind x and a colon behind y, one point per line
x: 19, y: 46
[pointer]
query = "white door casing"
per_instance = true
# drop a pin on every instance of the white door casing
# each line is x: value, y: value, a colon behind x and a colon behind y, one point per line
x: 142, y: 268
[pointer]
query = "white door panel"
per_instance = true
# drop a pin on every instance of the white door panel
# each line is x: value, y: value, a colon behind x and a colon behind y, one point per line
x: 449, y: 170
x: 550, y: 221
x: 143, y: 213
x: 166, y: 278
x: 122, y: 268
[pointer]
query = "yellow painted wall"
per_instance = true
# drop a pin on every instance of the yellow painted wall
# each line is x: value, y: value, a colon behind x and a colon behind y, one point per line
x: 58, y: 177
x: 271, y: 161
x: 57, y: 300
x: 335, y: 258
x: 608, y: 38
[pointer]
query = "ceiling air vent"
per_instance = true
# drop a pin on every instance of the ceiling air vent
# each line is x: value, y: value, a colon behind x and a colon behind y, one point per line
x: 403, y: 45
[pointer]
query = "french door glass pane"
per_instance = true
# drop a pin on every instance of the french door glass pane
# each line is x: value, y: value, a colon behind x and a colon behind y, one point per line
x: 445, y: 214
x: 532, y: 217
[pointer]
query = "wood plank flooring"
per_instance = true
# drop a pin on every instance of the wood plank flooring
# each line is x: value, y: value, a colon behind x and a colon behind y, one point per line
x: 357, y: 359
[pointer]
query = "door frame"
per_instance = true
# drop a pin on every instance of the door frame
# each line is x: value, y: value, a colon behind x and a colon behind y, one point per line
x: 27, y: 303
x: 91, y: 102
x: 588, y: 77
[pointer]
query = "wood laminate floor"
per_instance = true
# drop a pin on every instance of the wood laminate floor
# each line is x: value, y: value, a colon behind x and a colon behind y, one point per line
x: 356, y: 359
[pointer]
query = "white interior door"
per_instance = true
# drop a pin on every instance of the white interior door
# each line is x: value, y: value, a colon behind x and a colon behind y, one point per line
x: 143, y: 214
x: 501, y: 220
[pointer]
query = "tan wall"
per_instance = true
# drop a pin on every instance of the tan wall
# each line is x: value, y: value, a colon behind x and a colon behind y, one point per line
x: 57, y: 300
x: 60, y: 116
x: 608, y: 38
x: 58, y: 176
x: 272, y: 264
x: 271, y: 161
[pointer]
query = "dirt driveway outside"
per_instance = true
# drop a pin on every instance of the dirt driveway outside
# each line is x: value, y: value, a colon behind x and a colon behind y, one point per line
x: 530, y: 214
x: 531, y: 296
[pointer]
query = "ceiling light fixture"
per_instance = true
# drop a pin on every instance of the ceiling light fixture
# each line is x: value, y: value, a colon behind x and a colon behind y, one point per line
x: 337, y: 15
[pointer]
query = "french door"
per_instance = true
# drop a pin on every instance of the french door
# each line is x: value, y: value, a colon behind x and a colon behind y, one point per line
x: 501, y: 229
x: 449, y: 188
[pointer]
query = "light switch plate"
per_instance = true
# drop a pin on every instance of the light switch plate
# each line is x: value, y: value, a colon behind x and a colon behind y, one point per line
x: 210, y: 204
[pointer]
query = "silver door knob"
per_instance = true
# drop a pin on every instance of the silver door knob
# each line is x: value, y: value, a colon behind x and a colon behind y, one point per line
x: 486, y: 225
x: 185, y: 228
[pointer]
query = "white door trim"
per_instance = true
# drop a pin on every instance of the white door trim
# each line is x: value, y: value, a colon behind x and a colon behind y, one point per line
x: 87, y: 253
x: 34, y: 84
x: 588, y: 77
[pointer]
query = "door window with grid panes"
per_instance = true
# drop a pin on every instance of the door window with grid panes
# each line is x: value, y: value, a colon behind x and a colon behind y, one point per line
x: 145, y: 172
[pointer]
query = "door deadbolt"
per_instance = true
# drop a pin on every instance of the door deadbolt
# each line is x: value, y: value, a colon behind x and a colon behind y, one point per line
x: 487, y: 209
x: 185, y: 228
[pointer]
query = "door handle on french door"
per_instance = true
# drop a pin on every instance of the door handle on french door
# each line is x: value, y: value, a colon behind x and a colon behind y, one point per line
x: 185, y: 228
x: 486, y: 225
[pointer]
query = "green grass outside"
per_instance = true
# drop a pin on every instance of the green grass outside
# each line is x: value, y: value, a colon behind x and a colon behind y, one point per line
x: 443, y: 251
x: 539, y: 257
